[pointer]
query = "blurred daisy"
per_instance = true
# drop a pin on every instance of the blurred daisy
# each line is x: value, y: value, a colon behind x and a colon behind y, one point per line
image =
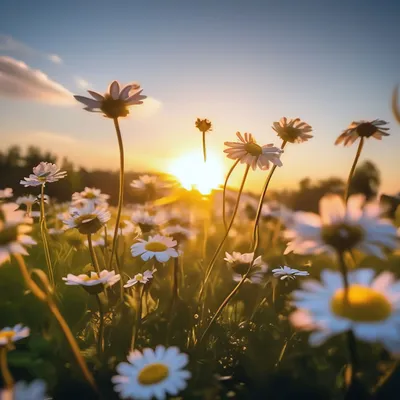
x: 93, y: 283
x: 372, y: 309
x: 100, y: 242
x: 6, y: 193
x: 363, y: 129
x: 178, y: 233
x: 55, y: 231
x: 160, y: 247
x: 27, y: 201
x: 125, y: 227
x: 88, y: 219
x: 92, y: 195
x: 341, y: 228
x: 44, y: 173
x: 239, y: 264
x: 292, y: 131
x: 203, y: 125
x: 252, y: 154
x: 115, y: 102
x: 152, y: 374
x: 288, y: 273
x: 140, y: 278
x: 147, y: 222
x: 150, y: 184
x: 35, y: 390
x: 13, y: 229
x: 10, y: 335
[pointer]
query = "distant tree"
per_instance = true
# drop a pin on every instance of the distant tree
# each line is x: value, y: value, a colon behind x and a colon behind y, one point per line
x: 366, y: 180
x: 34, y: 156
x: 13, y: 158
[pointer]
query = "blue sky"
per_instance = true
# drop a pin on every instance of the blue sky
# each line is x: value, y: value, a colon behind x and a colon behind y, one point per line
x: 242, y: 64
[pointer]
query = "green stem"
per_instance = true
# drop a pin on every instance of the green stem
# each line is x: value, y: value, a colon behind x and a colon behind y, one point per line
x: 353, y: 167
x: 139, y: 299
x: 93, y: 254
x: 44, y: 237
x: 8, y: 380
x: 224, y: 192
x: 100, y: 337
x: 219, y: 248
x: 204, y: 147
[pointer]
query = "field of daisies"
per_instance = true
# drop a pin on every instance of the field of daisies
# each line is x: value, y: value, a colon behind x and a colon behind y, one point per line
x: 189, y: 296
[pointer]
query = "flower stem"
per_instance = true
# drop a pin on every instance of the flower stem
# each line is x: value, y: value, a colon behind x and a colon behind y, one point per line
x: 204, y: 147
x: 219, y: 248
x: 100, y: 337
x: 353, y: 167
x: 351, y: 341
x: 41, y: 295
x: 224, y: 192
x: 93, y: 254
x: 139, y: 299
x: 8, y: 380
x: 43, y: 233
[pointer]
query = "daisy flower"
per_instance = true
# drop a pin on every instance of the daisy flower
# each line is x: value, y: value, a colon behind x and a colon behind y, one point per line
x: 35, y: 390
x: 288, y: 273
x: 115, y: 102
x: 239, y: 263
x: 6, y: 193
x: 372, y: 309
x: 252, y: 154
x: 96, y: 243
x: 88, y: 219
x: 8, y: 335
x: 55, y: 231
x: 363, y: 129
x: 203, y: 125
x: 178, y: 233
x: 140, y: 278
x: 44, y: 173
x: 93, y: 283
x: 340, y: 228
x: 160, y: 247
x: 147, y: 222
x: 292, y: 131
x: 125, y: 227
x: 13, y: 229
x: 92, y: 195
x: 149, y: 184
x: 152, y: 374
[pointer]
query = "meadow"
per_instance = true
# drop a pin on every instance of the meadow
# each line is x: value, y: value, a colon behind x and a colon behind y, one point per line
x: 199, y: 294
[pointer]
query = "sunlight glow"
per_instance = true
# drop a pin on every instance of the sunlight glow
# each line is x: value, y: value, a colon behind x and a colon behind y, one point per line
x: 193, y: 173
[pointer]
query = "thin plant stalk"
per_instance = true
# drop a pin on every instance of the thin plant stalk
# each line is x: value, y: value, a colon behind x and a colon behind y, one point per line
x: 139, y: 300
x: 46, y: 298
x: 43, y: 233
x: 100, y: 337
x: 93, y: 254
x: 204, y: 147
x: 224, y: 192
x: 219, y: 248
x: 353, y: 167
x: 175, y: 287
x: 8, y: 380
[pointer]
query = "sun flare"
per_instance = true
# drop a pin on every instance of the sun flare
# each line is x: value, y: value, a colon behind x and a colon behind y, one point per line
x: 193, y: 173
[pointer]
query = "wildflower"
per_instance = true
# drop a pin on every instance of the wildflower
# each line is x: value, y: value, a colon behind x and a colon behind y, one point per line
x: 93, y: 283
x: 55, y: 231
x: 92, y: 195
x: 96, y: 243
x: 252, y: 154
x: 288, y: 273
x: 152, y: 374
x: 239, y: 263
x: 160, y: 247
x: 88, y: 219
x: 178, y: 233
x: 341, y: 228
x: 372, y: 309
x: 146, y: 221
x: 140, y: 278
x: 114, y: 103
x: 10, y: 335
x: 294, y: 131
x: 35, y: 390
x: 6, y: 193
x: 13, y: 229
x: 44, y: 173
x: 203, y: 125
x: 363, y: 129
x: 126, y: 227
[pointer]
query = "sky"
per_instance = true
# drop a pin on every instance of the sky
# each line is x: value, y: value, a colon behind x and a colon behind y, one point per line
x: 241, y: 64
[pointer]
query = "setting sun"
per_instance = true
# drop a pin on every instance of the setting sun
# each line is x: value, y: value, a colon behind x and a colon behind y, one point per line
x: 193, y: 173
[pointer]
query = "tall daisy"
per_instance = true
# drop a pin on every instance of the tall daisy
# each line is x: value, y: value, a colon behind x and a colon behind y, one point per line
x: 341, y: 227
x: 93, y: 283
x: 160, y: 247
x: 371, y: 309
x: 43, y: 173
x: 152, y: 374
x: 91, y: 195
x: 142, y: 278
x: 11, y: 335
x: 240, y: 263
x: 146, y: 221
x: 14, y: 227
x: 292, y: 131
x: 286, y: 272
x: 204, y: 126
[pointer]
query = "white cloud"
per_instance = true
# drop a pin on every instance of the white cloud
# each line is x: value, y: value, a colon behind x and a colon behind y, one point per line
x: 10, y: 45
x: 149, y: 107
x: 43, y: 138
x: 81, y: 83
x: 18, y: 80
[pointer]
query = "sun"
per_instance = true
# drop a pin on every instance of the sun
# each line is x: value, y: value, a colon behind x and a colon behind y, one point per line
x: 193, y: 173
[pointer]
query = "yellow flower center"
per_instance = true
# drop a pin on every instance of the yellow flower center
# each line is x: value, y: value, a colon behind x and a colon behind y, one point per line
x: 8, y: 235
x: 342, y: 237
x: 290, y: 134
x: 122, y: 224
x: 139, y: 277
x: 253, y: 148
x: 153, y: 373
x: 363, y: 304
x: 89, y: 195
x: 8, y: 335
x: 156, y: 247
x: 114, y: 108
x: 90, y: 278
